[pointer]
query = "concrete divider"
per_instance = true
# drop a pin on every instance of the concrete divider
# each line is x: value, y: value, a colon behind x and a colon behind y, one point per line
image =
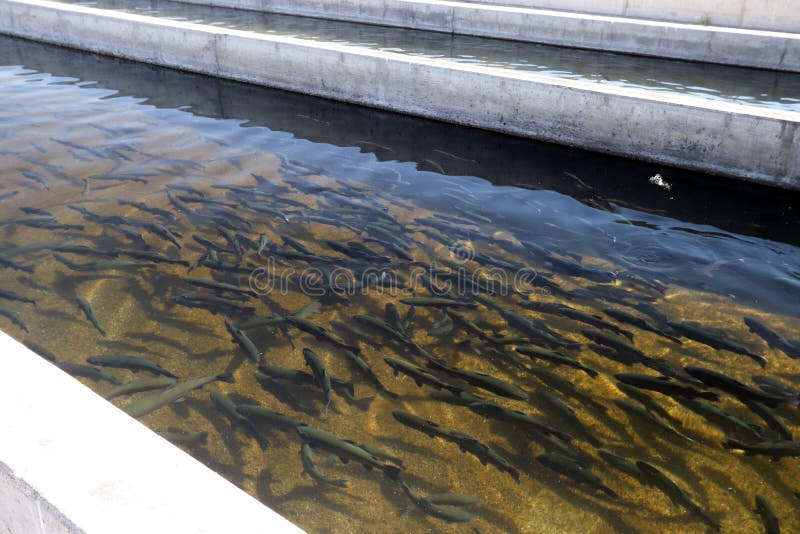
x: 70, y: 462
x: 761, y: 145
x: 774, y: 15
x: 727, y: 46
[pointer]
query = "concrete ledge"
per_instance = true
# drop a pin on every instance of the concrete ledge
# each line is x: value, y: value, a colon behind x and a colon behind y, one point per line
x: 761, y: 145
x: 774, y: 15
x: 72, y: 462
x: 710, y: 44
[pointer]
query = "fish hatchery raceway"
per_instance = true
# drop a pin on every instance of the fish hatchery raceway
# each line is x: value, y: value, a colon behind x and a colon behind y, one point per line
x: 706, y: 87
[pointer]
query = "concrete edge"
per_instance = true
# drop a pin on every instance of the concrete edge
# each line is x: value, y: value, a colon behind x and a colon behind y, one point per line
x: 97, y: 470
x: 748, y: 142
x: 691, y: 42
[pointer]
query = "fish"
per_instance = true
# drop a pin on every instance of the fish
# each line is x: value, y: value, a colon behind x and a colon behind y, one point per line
x: 555, y: 357
x: 574, y: 470
x: 40, y: 350
x: 535, y: 329
x: 773, y: 339
x: 212, y: 303
x: 86, y: 306
x: 620, y: 464
x: 134, y: 363
x: 773, y: 387
x: 87, y: 371
x: 153, y: 256
x: 628, y: 318
x: 321, y: 377
x: 625, y: 350
x: 277, y: 419
x: 438, y: 302
x: 419, y: 375
x: 184, y: 438
x: 665, y: 385
x: 149, y: 209
x: 263, y: 242
x: 771, y: 418
x: 139, y: 385
x: 295, y: 244
x: 452, y: 499
x: 311, y: 469
x: 768, y: 517
x: 566, y: 387
x: 481, y: 380
x: 565, y: 415
x: 574, y: 314
x: 381, y: 454
x: 393, y: 318
x: 346, y: 450
x: 228, y: 408
x: 151, y: 403
x: 775, y: 449
x: 319, y: 332
x: 716, y: 339
x: 359, y: 363
x: 302, y: 378
x: 727, y: 422
x: 520, y: 419
x: 739, y: 390
x: 654, y: 477
x: 450, y: 515
x: 382, y: 327
x: 244, y: 342
x: 220, y: 286
x: 8, y: 262
x: 634, y: 411
x: 14, y: 317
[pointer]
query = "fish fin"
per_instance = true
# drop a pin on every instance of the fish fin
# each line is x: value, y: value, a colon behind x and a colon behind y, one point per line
x: 392, y: 471
x: 709, y: 395
x: 591, y: 372
x: 202, y: 438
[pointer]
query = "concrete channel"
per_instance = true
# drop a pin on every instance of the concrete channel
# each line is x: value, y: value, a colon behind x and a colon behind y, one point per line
x: 124, y: 479
x: 694, y: 42
x: 735, y: 140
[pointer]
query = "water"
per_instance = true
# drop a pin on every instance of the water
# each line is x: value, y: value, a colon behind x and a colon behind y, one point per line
x: 706, y: 250
x: 726, y: 84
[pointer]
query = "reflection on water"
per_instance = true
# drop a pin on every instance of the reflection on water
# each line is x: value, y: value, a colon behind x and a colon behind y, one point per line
x: 152, y: 235
x: 728, y: 84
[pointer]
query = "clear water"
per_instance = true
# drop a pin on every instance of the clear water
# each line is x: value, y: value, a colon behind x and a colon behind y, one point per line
x: 726, y: 84
x: 706, y: 250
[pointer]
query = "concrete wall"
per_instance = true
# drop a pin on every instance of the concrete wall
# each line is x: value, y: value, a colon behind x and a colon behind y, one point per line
x: 734, y: 140
x: 768, y: 50
x: 774, y: 15
x: 72, y: 462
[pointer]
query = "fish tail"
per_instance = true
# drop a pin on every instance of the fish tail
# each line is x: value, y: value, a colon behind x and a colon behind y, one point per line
x: 325, y: 409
